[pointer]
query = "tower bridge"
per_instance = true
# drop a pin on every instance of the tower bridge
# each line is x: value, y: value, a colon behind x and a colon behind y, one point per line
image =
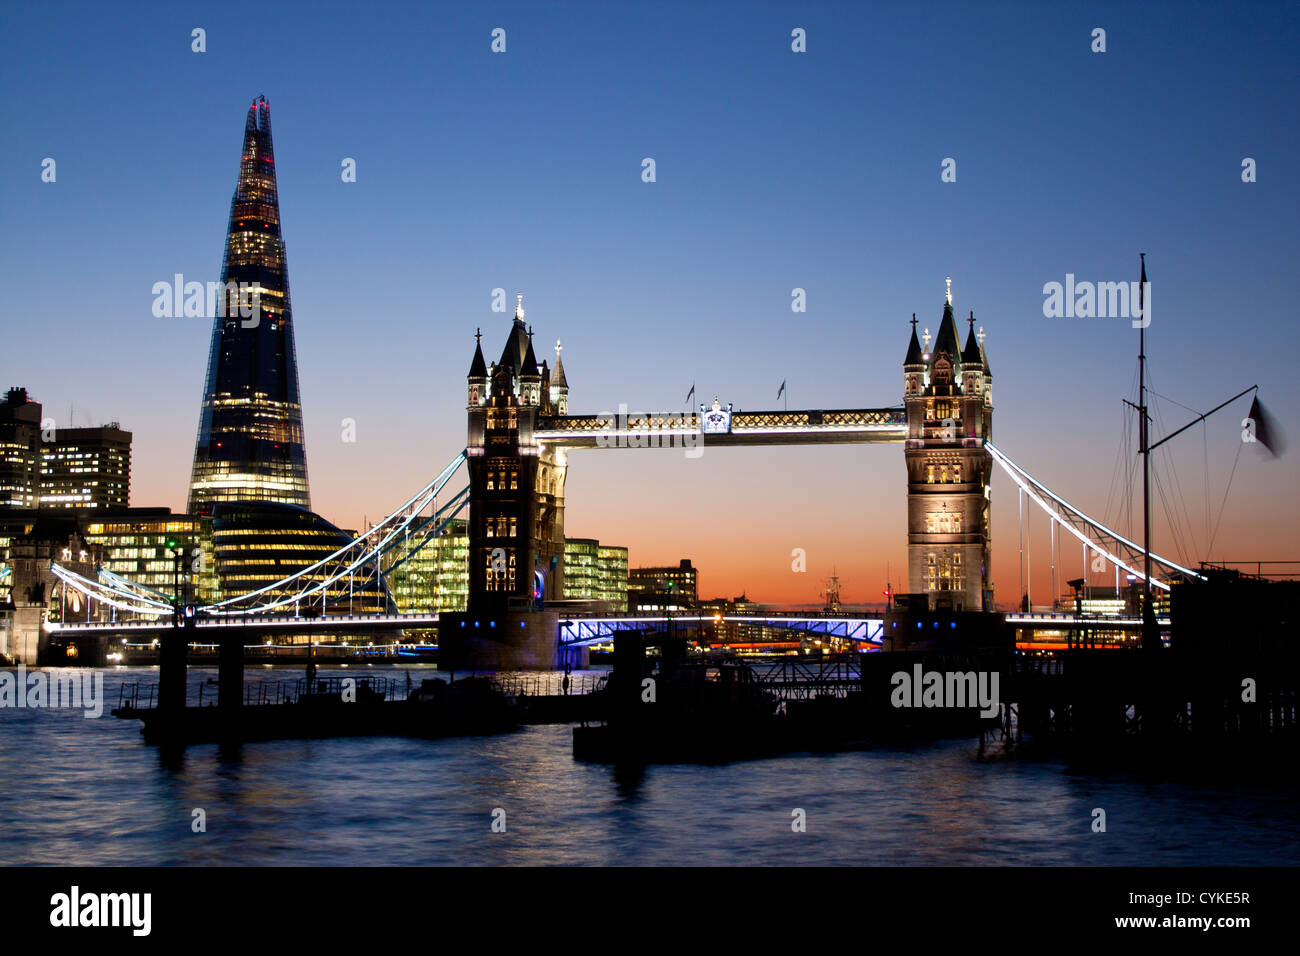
x: 519, y: 435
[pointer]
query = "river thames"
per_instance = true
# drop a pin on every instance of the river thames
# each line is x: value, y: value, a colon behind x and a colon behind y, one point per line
x: 89, y: 792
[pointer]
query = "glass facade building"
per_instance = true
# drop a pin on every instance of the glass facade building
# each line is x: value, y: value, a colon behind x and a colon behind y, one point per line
x: 20, y: 441
x: 431, y: 575
x: 62, y: 468
x: 258, y: 543
x: 250, y: 438
x: 134, y: 543
x: 86, y: 468
x: 595, y: 572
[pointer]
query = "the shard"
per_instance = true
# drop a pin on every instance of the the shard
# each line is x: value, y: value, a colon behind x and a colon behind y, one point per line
x: 250, y: 440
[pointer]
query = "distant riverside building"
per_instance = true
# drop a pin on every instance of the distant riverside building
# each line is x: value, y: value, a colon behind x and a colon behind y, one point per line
x: 20, y: 450
x: 78, y: 468
x: 595, y: 572
x: 134, y: 544
x: 667, y: 588
x: 86, y: 468
x: 30, y: 594
x: 1110, y: 601
x: 131, y: 542
x: 250, y: 439
x: 432, y: 576
x: 722, y: 632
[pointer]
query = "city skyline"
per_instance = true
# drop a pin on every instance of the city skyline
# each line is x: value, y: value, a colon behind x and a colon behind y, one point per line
x: 655, y: 287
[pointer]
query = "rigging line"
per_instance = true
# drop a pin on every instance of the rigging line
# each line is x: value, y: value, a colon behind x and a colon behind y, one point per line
x: 1183, y: 515
x: 1124, y: 493
x: 1130, y: 463
x: 1176, y: 533
x: 1121, y: 456
x: 1194, y: 411
x: 1187, y: 512
x: 1133, y: 441
x: 1219, y: 519
x: 1205, y: 453
x: 1115, y: 473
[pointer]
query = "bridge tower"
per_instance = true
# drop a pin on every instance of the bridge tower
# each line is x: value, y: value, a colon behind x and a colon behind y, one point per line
x: 516, y: 506
x: 948, y: 396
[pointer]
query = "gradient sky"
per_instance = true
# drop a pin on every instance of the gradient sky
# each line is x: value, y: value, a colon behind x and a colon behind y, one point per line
x: 775, y: 170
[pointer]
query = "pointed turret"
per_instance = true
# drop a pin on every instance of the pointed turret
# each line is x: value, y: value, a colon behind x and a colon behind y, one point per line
x: 512, y: 356
x: 915, y: 357
x: 946, y: 339
x: 529, y: 366
x: 557, y: 377
x: 530, y: 377
x: 478, y: 374
x: 559, y: 384
x: 478, y: 367
x: 970, y: 355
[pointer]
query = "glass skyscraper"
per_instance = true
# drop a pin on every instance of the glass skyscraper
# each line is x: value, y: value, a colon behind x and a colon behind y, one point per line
x: 250, y: 439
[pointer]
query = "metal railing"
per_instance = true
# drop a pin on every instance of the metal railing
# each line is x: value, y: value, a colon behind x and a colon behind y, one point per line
x: 550, y: 685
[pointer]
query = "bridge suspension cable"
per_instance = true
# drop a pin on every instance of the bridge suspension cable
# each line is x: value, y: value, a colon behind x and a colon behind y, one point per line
x: 1085, y: 528
x: 363, y: 554
x: 113, y: 595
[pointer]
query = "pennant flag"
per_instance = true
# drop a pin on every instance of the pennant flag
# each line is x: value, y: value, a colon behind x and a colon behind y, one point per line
x: 1260, y: 427
x: 781, y: 390
x: 690, y: 393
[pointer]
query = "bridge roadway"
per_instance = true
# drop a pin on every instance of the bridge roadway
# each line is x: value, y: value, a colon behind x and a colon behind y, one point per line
x: 260, y: 622
x: 722, y: 427
x: 580, y: 630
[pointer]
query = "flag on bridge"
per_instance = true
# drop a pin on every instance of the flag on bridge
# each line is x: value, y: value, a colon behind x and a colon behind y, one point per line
x: 1261, y: 427
x: 781, y: 391
x: 690, y: 393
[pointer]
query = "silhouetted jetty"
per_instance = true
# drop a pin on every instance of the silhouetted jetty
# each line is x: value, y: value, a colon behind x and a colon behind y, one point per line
x: 328, y: 707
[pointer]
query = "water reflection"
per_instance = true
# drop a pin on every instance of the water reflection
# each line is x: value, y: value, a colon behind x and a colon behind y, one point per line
x: 83, y: 791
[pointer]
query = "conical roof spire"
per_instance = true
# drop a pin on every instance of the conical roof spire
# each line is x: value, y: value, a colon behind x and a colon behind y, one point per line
x: 984, y: 358
x: 478, y: 367
x: 914, y: 354
x: 529, y: 366
x: 557, y: 377
x: 946, y: 339
x: 970, y: 355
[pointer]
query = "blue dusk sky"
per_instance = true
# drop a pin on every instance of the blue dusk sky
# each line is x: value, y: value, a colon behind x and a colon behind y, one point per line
x: 775, y: 170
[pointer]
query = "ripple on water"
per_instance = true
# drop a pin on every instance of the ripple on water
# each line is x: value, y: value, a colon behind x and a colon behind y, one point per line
x: 89, y: 792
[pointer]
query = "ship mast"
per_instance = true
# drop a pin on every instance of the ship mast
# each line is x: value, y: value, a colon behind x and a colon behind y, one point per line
x: 1150, y: 627
x: 1150, y: 634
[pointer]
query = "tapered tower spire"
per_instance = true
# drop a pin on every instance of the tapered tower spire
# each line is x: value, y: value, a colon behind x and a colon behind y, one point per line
x: 250, y: 439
